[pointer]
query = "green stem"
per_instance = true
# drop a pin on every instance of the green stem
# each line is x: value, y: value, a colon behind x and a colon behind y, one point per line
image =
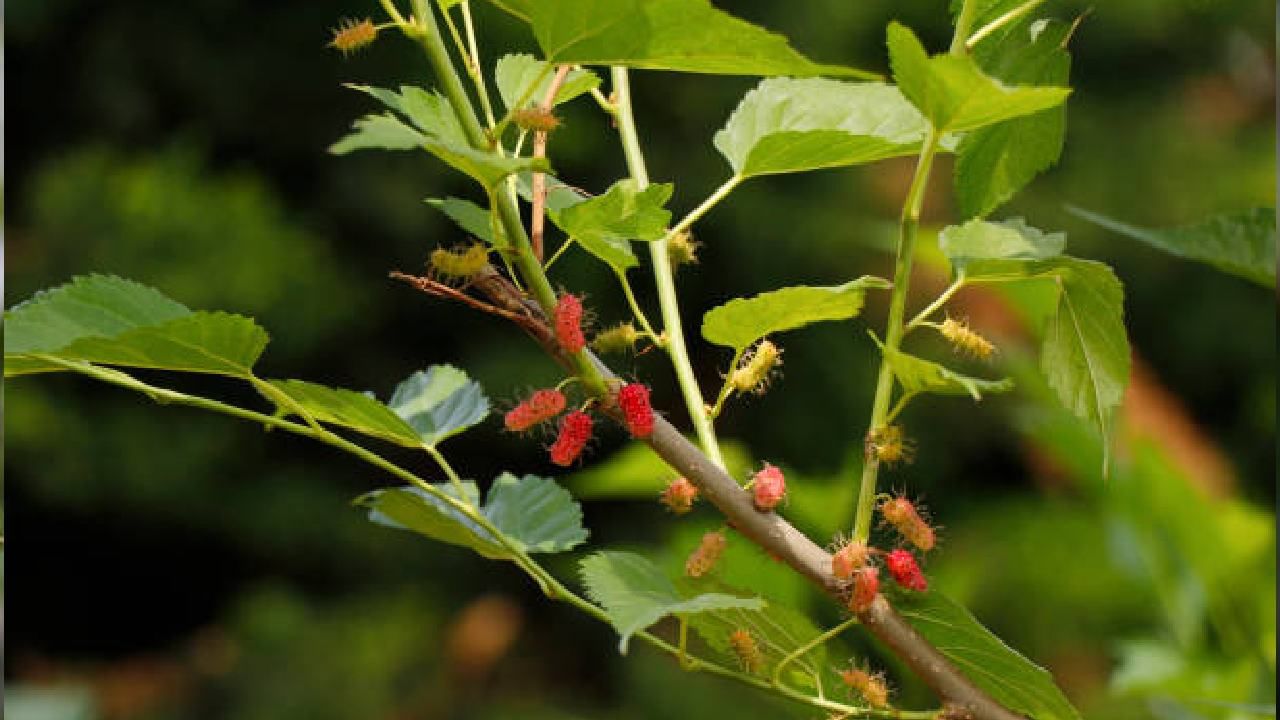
x: 428, y: 34
x: 635, y: 307
x: 473, y: 51
x: 964, y: 23
x: 1000, y: 22
x: 664, y: 278
x: 727, y: 389
x: 937, y: 304
x: 804, y: 649
x: 908, y: 229
x: 446, y: 467
x: 696, y: 214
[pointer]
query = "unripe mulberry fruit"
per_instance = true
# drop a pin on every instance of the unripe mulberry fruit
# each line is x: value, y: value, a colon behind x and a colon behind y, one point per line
x: 568, y: 323
x: 459, y: 264
x: 351, y: 35
x: 682, y: 249
x: 706, y: 555
x: 849, y: 558
x: 903, y: 516
x: 679, y: 495
x: 870, y: 686
x: 890, y: 445
x: 866, y: 583
x: 618, y: 338
x: 965, y: 340
x: 744, y: 645
x: 757, y: 368
x: 902, y: 566
x: 633, y: 400
x: 541, y: 406
x: 536, y: 119
x: 769, y: 487
x: 575, y: 431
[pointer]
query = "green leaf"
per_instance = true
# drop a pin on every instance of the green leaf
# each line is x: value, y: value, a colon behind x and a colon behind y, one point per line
x: 680, y: 35
x: 1240, y: 243
x: 379, y: 132
x: 1010, y: 679
x: 472, y: 218
x: 532, y: 513
x: 606, y: 225
x: 995, y: 162
x: 515, y: 74
x: 559, y: 195
x: 742, y: 321
x: 353, y: 410
x: 1085, y: 354
x: 636, y: 594
x: 917, y: 375
x: 108, y: 320
x: 1008, y: 239
x: 429, y: 111
x: 953, y: 93
x: 536, y: 512
x: 787, y: 125
x: 439, y: 402
x: 486, y: 168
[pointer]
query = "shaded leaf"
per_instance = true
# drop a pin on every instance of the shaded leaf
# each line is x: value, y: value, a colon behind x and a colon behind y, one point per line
x: 1012, y: 239
x: 428, y: 110
x: 379, y: 132
x: 605, y: 225
x: 953, y: 93
x: 789, y: 125
x: 353, y: 410
x: 680, y: 35
x: 995, y: 162
x: 1240, y: 243
x: 413, y: 508
x: 472, y: 218
x: 740, y: 322
x: 515, y: 74
x: 917, y: 375
x: 1010, y: 679
x: 439, y: 402
x: 636, y: 594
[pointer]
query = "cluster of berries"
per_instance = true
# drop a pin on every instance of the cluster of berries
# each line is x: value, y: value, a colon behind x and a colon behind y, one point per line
x: 853, y: 563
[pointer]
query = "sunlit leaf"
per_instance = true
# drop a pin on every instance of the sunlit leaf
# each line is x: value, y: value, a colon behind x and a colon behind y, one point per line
x: 1007, y: 239
x: 742, y: 321
x: 605, y: 225
x: 346, y: 408
x: 515, y: 75
x: 379, y: 132
x: 1240, y: 243
x: 917, y: 375
x: 953, y: 93
x: 636, y: 594
x: 428, y: 110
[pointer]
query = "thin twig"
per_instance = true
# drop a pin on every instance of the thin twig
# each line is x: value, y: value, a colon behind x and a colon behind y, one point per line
x: 537, y: 222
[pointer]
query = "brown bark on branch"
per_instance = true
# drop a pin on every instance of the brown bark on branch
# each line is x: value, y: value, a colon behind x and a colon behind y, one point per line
x: 771, y: 531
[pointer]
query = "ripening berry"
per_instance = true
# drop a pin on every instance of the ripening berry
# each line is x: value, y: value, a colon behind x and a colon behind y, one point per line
x: 459, y: 264
x: 850, y: 557
x: 901, y: 513
x: 575, y: 431
x: 618, y: 338
x: 706, y: 555
x: 965, y: 340
x: 568, y: 323
x: 541, y: 406
x: 536, y: 119
x: 866, y: 583
x: 902, y: 566
x: 637, y: 413
x: 757, y: 368
x: 769, y: 486
x: 744, y: 645
x: 351, y: 35
x: 890, y: 445
x: 870, y: 686
x: 679, y: 495
x: 681, y: 249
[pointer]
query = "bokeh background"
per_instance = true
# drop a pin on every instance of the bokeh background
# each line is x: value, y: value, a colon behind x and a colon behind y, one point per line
x: 162, y: 563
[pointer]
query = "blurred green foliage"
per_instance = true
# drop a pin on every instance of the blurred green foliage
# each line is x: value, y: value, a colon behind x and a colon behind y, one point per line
x: 184, y: 566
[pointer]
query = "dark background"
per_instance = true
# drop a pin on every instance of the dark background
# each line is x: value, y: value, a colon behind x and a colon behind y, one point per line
x: 163, y: 563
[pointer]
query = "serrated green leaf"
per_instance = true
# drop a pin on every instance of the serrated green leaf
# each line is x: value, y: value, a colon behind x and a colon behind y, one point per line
x: 515, y: 74
x: 379, y: 132
x: 742, y: 321
x: 917, y: 375
x: 1085, y: 354
x: 605, y: 225
x: 533, y: 514
x: 787, y: 125
x: 680, y: 35
x: 953, y: 93
x: 1007, y: 239
x: 428, y: 110
x: 995, y: 162
x: 1010, y: 679
x: 559, y: 195
x: 1240, y: 243
x: 472, y: 218
x: 486, y: 168
x: 636, y: 594
x: 439, y: 402
x: 353, y: 410
x: 108, y: 320
x: 542, y: 516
